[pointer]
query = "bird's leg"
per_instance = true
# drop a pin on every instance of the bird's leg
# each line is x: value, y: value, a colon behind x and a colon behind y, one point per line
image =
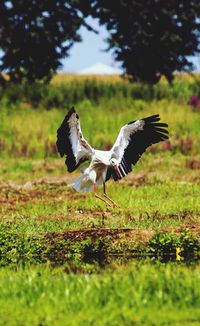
x: 97, y: 196
x: 105, y: 195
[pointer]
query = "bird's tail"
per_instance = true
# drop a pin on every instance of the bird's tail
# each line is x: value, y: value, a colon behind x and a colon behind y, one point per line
x: 82, y: 184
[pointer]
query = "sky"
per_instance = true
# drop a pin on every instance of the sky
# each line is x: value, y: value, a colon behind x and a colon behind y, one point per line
x: 91, y: 50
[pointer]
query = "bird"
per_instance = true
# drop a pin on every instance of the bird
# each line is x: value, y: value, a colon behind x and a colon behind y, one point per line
x: 132, y: 141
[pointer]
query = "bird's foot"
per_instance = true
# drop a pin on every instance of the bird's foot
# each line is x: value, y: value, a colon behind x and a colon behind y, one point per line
x: 105, y: 201
x: 115, y: 205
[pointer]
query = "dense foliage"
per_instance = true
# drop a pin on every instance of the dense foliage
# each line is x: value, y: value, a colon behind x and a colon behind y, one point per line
x: 151, y: 38
x: 35, y: 35
x: 68, y: 90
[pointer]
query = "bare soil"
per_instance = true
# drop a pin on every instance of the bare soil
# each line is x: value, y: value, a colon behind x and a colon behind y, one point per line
x: 130, y: 234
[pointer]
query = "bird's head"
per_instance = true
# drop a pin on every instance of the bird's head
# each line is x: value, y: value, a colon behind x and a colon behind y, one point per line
x: 115, y: 164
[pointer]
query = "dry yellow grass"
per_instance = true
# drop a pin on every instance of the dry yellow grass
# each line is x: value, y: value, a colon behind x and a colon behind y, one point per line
x: 65, y: 77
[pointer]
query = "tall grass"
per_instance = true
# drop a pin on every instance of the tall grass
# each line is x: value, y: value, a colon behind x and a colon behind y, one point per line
x: 25, y: 132
x: 104, y: 105
x: 66, y: 90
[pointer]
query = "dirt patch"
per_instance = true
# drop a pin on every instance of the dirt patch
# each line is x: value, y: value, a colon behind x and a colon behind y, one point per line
x: 190, y: 225
x: 54, y: 181
x: 18, y: 197
x: 194, y: 227
x: 93, y: 233
x: 130, y: 234
x: 47, y: 191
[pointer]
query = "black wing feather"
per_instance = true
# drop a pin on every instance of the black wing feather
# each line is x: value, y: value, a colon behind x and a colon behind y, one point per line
x: 140, y: 141
x: 64, y: 145
x: 152, y: 133
x: 63, y: 135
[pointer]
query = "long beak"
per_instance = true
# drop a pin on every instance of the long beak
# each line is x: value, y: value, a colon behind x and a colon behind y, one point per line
x: 116, y: 167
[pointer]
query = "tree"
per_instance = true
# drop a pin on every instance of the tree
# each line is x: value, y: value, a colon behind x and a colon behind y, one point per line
x: 35, y: 35
x: 153, y: 37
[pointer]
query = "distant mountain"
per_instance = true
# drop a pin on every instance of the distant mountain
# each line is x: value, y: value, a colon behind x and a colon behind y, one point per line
x: 100, y: 69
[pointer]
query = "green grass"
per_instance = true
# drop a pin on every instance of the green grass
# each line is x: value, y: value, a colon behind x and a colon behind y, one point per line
x: 160, y: 197
x: 161, y: 191
x: 32, y: 133
x: 149, y: 206
x: 139, y: 294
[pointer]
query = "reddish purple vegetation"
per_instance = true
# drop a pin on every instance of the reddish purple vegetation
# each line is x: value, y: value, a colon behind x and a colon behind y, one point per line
x: 24, y: 150
x: 182, y: 145
x: 185, y: 145
x: 167, y: 145
x: 194, y: 101
x: 193, y: 164
x: 50, y: 148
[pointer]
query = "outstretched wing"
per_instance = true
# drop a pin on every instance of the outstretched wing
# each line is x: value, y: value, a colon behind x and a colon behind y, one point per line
x: 133, y: 140
x: 70, y: 141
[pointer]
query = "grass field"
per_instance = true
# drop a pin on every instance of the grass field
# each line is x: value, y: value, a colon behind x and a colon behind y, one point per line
x: 57, y: 246
x: 140, y: 294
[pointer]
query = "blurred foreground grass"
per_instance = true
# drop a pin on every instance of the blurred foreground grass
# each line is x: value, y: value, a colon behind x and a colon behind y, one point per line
x: 137, y: 294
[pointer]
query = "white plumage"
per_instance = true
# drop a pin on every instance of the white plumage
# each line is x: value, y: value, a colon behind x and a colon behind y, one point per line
x: 132, y: 141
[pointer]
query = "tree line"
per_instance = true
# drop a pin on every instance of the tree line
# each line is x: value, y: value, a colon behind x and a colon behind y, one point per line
x: 149, y: 38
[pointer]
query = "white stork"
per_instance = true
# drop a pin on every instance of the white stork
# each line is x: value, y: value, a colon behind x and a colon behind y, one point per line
x: 131, y: 143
